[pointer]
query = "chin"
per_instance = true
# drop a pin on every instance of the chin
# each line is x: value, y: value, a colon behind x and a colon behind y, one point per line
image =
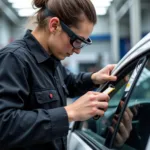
x: 61, y: 57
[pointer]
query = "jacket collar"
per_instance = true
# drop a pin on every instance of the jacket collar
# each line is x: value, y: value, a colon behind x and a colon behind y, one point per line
x: 37, y: 50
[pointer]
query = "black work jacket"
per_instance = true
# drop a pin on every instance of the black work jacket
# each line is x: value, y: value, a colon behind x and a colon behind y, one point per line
x: 33, y: 91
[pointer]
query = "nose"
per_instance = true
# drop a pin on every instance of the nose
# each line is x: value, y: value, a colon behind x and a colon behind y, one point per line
x: 77, y: 51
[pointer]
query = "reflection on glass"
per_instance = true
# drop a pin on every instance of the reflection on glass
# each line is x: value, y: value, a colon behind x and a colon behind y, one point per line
x: 99, y: 127
x: 140, y: 99
x: 122, y: 122
x: 138, y: 108
x: 120, y: 129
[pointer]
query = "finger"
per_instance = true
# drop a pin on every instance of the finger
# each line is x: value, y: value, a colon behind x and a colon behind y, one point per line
x: 128, y: 111
x: 121, y: 103
x: 135, y: 110
x: 92, y: 92
x: 109, y: 78
x: 119, y: 140
x: 126, y: 78
x: 111, y: 129
x: 114, y: 121
x: 102, y: 105
x: 127, y: 121
x: 123, y: 131
x: 95, y: 93
x: 111, y: 66
x: 100, y: 112
x: 102, y: 97
x: 112, y: 78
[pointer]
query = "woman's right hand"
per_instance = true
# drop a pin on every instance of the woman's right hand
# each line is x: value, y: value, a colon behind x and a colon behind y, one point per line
x: 87, y: 106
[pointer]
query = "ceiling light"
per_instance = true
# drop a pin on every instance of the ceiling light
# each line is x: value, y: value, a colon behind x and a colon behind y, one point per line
x: 18, y: 1
x: 26, y: 12
x: 21, y: 5
x: 101, y: 11
x: 101, y: 3
x: 101, y: 6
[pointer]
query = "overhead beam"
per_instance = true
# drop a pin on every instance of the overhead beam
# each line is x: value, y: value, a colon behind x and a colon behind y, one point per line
x: 114, y: 29
x: 9, y: 13
x: 145, y: 5
x: 123, y: 10
x: 127, y: 5
x: 117, y: 3
x: 135, y: 21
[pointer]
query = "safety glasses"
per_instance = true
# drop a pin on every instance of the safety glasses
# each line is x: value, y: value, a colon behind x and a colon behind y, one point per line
x: 76, y: 41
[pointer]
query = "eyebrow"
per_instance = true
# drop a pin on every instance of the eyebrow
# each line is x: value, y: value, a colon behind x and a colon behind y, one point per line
x: 75, y: 33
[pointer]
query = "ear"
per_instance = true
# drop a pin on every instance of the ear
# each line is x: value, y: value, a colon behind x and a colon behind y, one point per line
x: 54, y: 23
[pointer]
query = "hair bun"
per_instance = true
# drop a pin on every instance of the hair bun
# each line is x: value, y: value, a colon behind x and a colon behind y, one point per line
x: 39, y: 3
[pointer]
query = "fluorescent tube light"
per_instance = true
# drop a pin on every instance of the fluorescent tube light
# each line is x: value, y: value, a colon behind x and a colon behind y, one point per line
x: 20, y: 5
x: 101, y: 11
x: 18, y: 1
x: 101, y: 3
x: 26, y: 12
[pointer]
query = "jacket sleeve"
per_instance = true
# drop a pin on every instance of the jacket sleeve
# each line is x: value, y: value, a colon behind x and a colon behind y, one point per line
x: 79, y: 84
x: 20, y: 127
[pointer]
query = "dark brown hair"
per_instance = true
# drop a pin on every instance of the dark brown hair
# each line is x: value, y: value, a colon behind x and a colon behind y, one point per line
x: 68, y: 11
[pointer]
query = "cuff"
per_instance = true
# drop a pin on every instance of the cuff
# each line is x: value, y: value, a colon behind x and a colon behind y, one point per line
x: 89, y: 82
x: 59, y: 121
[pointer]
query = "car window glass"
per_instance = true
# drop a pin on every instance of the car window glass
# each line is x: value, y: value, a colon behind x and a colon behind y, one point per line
x: 121, y: 124
x: 139, y: 106
x: 97, y: 129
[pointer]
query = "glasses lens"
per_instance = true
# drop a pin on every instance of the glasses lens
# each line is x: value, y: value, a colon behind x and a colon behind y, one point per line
x: 78, y: 44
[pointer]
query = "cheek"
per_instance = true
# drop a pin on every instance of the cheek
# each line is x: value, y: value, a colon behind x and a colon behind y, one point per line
x: 59, y: 45
x: 64, y: 42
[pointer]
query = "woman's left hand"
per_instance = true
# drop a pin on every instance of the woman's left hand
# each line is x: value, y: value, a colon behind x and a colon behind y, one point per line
x: 125, y: 128
x: 103, y: 75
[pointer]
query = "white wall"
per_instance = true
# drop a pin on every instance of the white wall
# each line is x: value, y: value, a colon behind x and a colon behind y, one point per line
x: 10, y: 31
x: 90, y: 53
x: 102, y: 26
x: 103, y: 48
x: 18, y: 31
x: 5, y: 31
x: 146, y: 21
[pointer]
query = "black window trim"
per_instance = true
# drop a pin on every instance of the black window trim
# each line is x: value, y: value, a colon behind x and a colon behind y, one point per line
x: 128, y: 68
x: 110, y: 139
x: 84, y: 137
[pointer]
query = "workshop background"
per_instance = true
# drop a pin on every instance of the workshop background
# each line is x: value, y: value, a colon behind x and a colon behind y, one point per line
x: 121, y: 24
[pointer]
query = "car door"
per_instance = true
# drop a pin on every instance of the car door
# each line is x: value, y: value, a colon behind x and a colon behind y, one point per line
x: 122, y: 118
x: 140, y: 99
x: 94, y: 133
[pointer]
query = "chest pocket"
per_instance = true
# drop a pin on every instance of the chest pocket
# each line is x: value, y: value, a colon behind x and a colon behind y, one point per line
x: 47, y: 99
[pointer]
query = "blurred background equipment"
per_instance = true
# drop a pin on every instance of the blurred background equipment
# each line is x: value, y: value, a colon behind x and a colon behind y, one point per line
x: 121, y: 24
